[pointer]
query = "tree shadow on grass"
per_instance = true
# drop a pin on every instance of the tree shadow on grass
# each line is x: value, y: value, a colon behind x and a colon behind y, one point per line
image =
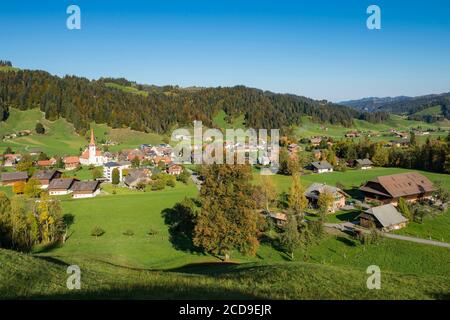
x: 346, y: 241
x: 348, y: 216
x: 179, y: 220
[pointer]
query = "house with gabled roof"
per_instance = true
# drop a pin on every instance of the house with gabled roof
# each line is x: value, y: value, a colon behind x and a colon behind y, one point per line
x: 61, y: 186
x: 314, y: 191
x: 85, y: 189
x: 10, y: 178
x: 46, y: 176
x: 321, y: 166
x: 363, y: 164
x: 385, y: 217
x: 411, y: 186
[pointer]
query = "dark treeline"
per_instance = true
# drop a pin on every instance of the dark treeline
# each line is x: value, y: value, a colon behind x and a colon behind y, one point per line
x: 81, y: 101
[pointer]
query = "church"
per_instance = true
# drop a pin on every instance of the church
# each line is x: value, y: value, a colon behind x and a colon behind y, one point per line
x: 92, y: 156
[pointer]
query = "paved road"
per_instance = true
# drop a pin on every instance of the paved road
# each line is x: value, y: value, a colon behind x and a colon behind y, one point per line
x: 417, y: 240
x: 347, y: 225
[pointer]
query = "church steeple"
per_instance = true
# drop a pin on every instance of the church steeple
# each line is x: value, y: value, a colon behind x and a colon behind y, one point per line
x: 92, y: 143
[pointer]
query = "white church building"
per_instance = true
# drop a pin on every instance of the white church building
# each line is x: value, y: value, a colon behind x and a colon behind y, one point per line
x: 91, y: 155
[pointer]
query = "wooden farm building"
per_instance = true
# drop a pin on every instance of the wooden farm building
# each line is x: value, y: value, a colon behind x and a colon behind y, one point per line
x: 384, y: 217
x: 411, y: 186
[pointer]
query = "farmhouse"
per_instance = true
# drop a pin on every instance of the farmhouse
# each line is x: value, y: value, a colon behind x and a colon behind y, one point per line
x: 174, y: 170
x: 321, y: 166
x: 85, y: 189
x: 34, y: 151
x: 110, y: 166
x: 11, y: 159
x: 411, y: 186
x: 384, y: 217
x: 46, y: 163
x: 10, y: 178
x: 136, y: 176
x: 46, y: 176
x: 316, y: 189
x: 363, y: 164
x: 61, y: 186
x: 71, y: 163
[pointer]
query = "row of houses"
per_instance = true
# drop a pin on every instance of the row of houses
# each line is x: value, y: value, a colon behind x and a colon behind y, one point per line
x: 383, y: 191
x: 52, y: 181
x: 324, y: 166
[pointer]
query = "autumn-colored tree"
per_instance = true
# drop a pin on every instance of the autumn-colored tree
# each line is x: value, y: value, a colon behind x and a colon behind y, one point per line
x: 269, y: 193
x: 325, y: 203
x: 227, y: 220
x: 18, y: 187
x: 32, y: 188
x: 135, y: 162
x: 297, y: 199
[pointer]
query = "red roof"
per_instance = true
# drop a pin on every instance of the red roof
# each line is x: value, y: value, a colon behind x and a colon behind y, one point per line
x: 71, y: 160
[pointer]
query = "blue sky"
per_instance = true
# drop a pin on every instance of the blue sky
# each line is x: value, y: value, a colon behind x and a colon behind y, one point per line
x: 319, y: 49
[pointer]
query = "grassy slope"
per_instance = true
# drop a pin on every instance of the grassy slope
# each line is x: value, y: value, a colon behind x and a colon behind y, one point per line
x: 309, y: 128
x: 432, y: 111
x: 126, y: 89
x: 31, y: 277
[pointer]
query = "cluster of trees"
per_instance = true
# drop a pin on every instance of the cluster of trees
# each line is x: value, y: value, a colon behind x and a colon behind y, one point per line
x: 433, y: 155
x: 82, y: 101
x: 25, y: 222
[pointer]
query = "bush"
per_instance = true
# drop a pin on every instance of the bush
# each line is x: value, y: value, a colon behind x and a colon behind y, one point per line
x: 152, y: 232
x: 128, y: 233
x: 97, y: 232
x: 39, y: 128
x: 159, y: 184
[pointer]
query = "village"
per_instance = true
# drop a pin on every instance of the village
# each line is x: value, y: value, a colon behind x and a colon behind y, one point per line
x: 153, y: 167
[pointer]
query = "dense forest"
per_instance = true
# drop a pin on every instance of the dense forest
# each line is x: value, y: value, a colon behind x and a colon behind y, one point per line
x: 81, y: 101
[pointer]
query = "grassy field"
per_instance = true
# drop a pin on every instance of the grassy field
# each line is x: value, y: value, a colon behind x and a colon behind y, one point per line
x: 137, y: 211
x: 309, y: 128
x: 128, y: 89
x: 30, y: 277
x: 352, y: 178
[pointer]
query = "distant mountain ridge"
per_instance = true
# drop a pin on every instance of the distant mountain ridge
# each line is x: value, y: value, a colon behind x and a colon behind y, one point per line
x: 413, y: 107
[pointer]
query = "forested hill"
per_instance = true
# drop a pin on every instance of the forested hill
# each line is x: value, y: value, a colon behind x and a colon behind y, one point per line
x: 427, y: 108
x: 121, y: 103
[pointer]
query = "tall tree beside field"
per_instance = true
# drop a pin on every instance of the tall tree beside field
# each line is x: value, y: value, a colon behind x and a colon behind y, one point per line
x: 227, y: 220
x: 381, y: 156
x: 297, y: 199
x: 325, y: 203
x: 290, y: 239
x: 115, y: 176
x: 32, y: 188
x: 268, y: 189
